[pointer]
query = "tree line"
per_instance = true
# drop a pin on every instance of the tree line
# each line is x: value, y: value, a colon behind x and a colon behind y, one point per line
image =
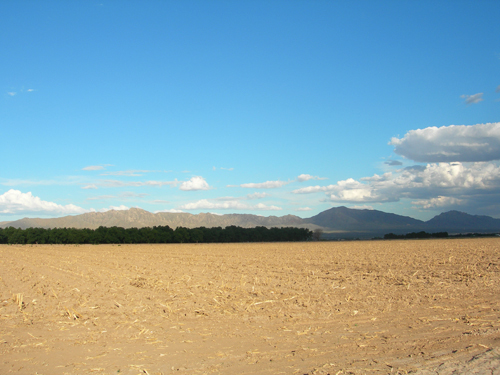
x: 413, y: 235
x: 157, y: 234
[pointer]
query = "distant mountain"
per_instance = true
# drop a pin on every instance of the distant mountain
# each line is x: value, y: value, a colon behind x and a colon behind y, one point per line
x: 136, y: 217
x: 351, y: 220
x: 458, y: 222
x: 341, y: 222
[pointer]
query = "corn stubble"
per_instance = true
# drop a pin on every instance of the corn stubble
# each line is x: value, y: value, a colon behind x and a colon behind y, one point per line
x: 307, y: 308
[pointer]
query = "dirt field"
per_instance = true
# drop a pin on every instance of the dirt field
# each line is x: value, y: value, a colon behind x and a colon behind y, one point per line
x: 380, y: 307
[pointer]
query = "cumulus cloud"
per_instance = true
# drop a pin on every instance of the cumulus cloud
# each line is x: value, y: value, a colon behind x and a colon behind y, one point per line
x: 473, y: 99
x: 303, y: 209
x: 438, y: 202
x: 16, y: 202
x: 474, y: 185
x: 195, y: 183
x: 205, y: 204
x: 351, y: 190
x: 460, y: 143
x: 265, y: 185
x: 307, y: 177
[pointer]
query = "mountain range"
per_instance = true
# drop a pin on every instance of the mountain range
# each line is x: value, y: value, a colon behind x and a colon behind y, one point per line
x: 337, y: 222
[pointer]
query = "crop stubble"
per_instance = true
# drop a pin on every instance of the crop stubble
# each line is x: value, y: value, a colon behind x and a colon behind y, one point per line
x: 292, y: 308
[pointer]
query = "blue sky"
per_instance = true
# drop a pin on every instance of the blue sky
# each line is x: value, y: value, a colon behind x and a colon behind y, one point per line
x: 262, y: 107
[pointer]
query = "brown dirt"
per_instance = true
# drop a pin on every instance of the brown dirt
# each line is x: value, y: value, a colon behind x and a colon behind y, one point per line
x: 380, y: 307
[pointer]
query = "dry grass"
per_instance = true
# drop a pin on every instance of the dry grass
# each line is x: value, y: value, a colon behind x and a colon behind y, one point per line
x: 358, y: 307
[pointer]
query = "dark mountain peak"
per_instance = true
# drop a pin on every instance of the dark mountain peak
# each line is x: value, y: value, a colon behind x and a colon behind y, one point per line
x: 457, y: 221
x: 458, y: 215
x: 350, y: 219
x: 453, y: 213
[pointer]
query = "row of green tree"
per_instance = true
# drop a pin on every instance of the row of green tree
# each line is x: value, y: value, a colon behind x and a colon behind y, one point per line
x: 159, y: 234
x: 413, y: 235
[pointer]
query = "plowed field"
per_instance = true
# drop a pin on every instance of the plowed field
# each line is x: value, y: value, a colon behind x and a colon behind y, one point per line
x: 374, y: 307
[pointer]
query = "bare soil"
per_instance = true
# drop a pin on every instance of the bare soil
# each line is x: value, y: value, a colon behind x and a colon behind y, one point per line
x: 378, y: 307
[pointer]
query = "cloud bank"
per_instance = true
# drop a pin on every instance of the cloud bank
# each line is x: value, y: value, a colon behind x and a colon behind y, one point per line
x: 15, y: 202
x: 474, y: 185
x: 455, y: 143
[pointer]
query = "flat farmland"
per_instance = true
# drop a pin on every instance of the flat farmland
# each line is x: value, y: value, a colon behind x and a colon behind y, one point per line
x: 368, y: 307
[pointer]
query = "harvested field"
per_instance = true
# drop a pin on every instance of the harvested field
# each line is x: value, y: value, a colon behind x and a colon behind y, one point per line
x: 379, y: 307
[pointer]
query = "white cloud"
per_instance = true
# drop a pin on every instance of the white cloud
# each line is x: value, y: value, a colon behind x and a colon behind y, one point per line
x: 101, y: 197
x: 314, y: 189
x: 257, y: 195
x: 35, y: 182
x: 376, y: 177
x: 363, y: 207
x: 265, y: 185
x: 124, y: 195
x: 11, y: 93
x: 159, y: 201
x: 475, y: 185
x: 307, y: 177
x: 195, y: 183
x: 93, y: 168
x: 131, y: 194
x: 461, y: 143
x: 91, y: 186
x: 244, y: 198
x: 16, y: 202
x: 438, y: 202
x: 129, y: 173
x: 304, y: 209
x: 222, y: 168
x: 112, y: 208
x: 172, y: 210
x: 117, y: 183
x: 473, y: 99
x: 351, y: 190
x: 205, y: 204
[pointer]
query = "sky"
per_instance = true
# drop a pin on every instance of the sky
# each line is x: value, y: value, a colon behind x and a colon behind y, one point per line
x: 257, y: 107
